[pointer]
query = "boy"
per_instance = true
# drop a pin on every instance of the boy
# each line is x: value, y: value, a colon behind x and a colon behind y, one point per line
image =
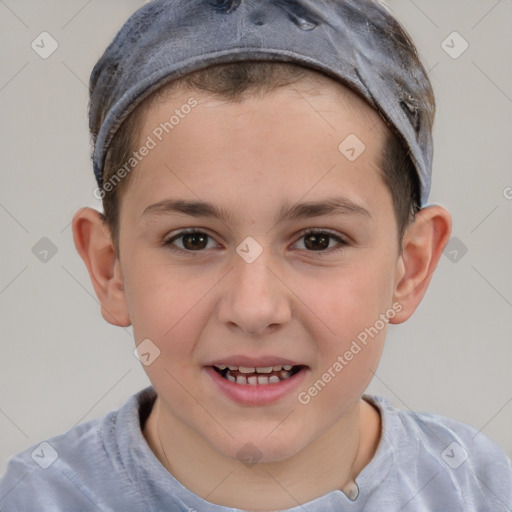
x: 264, y: 169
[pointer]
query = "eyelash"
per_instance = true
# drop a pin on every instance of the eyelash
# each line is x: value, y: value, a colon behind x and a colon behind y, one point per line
x: 342, y: 243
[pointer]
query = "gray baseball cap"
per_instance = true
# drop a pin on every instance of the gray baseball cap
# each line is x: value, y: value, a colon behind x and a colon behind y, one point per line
x: 345, y: 39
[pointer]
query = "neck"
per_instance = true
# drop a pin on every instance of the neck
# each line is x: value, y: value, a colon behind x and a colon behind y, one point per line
x: 330, y: 462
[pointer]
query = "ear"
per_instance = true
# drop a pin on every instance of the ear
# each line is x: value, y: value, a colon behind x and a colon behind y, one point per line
x: 94, y: 244
x: 422, y: 247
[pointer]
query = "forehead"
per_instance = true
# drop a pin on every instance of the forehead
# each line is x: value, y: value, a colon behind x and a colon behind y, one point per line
x: 310, y: 136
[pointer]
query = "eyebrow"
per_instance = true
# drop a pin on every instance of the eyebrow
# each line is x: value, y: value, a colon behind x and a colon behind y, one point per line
x: 329, y: 206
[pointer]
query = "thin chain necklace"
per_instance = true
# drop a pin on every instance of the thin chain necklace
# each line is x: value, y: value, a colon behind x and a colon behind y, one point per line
x: 168, y: 466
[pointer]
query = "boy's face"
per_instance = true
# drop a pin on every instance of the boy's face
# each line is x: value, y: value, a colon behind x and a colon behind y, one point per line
x: 302, y: 301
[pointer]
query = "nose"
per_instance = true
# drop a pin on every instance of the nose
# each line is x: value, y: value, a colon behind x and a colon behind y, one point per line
x: 254, y: 299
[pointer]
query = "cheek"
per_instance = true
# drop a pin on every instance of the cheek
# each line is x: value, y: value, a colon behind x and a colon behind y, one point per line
x: 352, y: 297
x: 169, y: 308
x: 164, y: 302
x: 354, y: 304
x: 356, y: 311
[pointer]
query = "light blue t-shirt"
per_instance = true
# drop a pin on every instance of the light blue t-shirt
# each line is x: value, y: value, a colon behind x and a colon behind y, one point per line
x: 423, y: 463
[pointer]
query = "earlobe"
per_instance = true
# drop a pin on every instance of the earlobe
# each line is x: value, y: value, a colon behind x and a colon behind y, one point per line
x: 423, y: 244
x: 93, y: 242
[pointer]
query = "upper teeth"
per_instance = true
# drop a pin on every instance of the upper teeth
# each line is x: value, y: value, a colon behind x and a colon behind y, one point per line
x: 261, y: 369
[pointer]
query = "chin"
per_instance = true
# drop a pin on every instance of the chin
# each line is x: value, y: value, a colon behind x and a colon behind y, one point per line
x: 259, y: 448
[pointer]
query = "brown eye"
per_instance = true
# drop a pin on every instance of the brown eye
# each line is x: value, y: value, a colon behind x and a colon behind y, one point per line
x: 195, y: 241
x: 320, y: 241
x: 317, y: 242
x: 190, y: 241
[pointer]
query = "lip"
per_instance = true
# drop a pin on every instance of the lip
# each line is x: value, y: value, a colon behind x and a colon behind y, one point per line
x: 246, y: 394
x: 254, y: 362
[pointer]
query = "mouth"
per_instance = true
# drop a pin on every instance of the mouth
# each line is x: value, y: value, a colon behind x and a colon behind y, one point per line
x: 257, y: 376
x: 257, y: 383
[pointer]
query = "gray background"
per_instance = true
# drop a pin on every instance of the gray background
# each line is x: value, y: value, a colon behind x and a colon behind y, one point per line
x: 62, y: 364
